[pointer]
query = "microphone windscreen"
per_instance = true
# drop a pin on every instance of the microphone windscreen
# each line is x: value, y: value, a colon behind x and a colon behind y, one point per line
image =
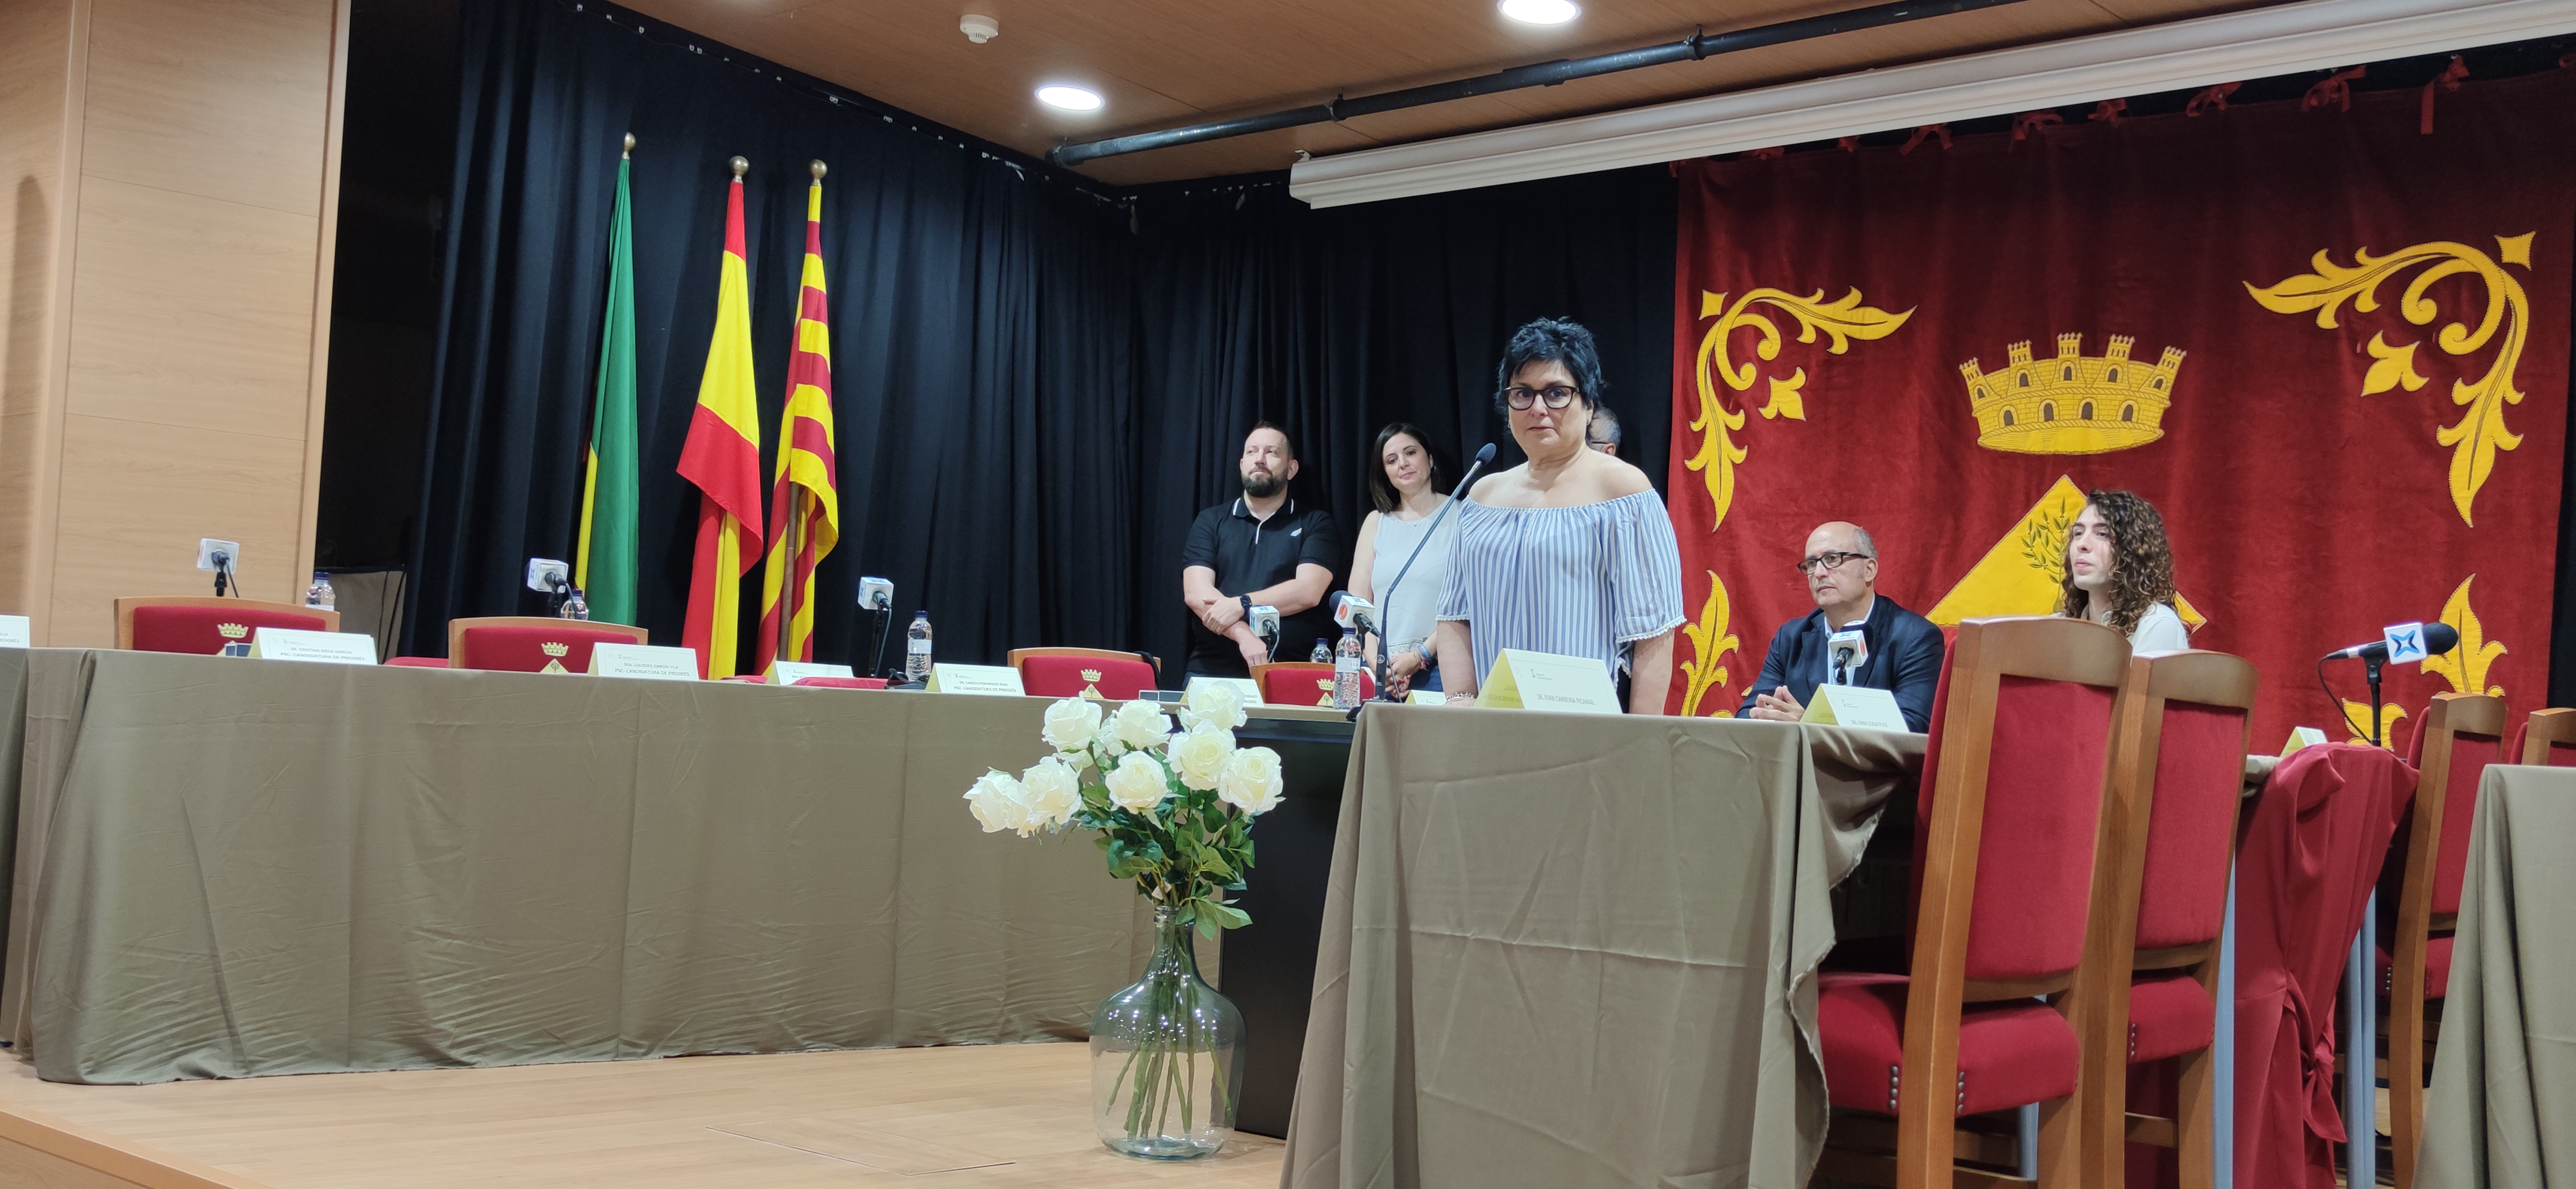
x: 2440, y: 638
x: 1485, y: 455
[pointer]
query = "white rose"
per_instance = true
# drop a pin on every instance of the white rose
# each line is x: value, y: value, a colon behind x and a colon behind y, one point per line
x: 1213, y: 704
x: 1072, y: 723
x: 1053, y: 792
x: 1250, y: 781
x: 1138, y: 784
x: 999, y: 803
x: 1141, y: 725
x: 1110, y: 744
x: 1200, y: 755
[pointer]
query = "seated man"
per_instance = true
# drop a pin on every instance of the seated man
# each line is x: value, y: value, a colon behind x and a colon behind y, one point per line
x: 1261, y: 549
x: 1904, y: 654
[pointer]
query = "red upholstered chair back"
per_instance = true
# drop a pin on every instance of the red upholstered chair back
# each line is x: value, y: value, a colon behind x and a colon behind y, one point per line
x: 1074, y: 672
x: 1302, y: 683
x: 2547, y: 737
x: 2024, y: 735
x: 2462, y: 733
x: 202, y: 624
x: 527, y: 643
x: 2198, y: 779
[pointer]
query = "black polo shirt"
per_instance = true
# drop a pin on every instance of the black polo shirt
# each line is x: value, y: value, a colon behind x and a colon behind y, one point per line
x: 1248, y: 555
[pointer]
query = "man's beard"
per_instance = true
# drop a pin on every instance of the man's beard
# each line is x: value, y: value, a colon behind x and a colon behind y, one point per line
x: 1262, y: 485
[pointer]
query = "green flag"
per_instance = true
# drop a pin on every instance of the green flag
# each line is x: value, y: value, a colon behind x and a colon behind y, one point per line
x: 606, y: 569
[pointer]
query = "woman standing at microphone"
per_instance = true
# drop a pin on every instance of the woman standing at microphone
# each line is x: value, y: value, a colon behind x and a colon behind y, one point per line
x: 1569, y: 553
x: 1407, y: 488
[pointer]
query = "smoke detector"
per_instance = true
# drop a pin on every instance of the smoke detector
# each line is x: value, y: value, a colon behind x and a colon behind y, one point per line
x: 978, y: 28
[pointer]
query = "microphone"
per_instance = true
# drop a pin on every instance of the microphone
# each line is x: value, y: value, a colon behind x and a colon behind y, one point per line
x: 1850, y: 650
x: 1483, y: 456
x: 2434, y: 638
x: 1352, y: 611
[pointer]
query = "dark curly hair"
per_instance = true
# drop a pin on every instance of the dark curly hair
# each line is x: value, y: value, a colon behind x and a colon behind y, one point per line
x: 2141, y: 561
x: 1553, y: 340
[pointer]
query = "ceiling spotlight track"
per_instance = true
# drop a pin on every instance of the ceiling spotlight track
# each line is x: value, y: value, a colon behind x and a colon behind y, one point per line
x: 1543, y: 74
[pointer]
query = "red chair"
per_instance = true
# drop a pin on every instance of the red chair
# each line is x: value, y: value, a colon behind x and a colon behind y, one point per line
x: 529, y: 643
x: 840, y: 683
x: 1094, y: 673
x: 2159, y: 905
x: 2016, y: 768
x: 203, y: 624
x: 2461, y: 734
x: 1302, y: 683
x: 2548, y: 737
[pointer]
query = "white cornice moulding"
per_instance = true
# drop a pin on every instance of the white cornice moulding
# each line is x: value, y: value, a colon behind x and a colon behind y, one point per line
x: 2315, y: 34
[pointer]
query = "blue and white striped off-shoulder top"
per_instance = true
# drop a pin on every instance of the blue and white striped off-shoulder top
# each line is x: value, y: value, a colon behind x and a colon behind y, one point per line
x: 1579, y: 581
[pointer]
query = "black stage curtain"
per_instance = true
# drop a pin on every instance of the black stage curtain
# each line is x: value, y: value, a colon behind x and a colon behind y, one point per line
x: 1039, y: 381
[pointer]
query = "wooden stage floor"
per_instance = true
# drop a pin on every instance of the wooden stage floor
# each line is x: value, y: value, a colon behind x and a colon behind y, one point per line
x: 978, y: 1116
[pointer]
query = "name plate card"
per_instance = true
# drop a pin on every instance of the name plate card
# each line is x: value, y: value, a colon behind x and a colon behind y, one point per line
x: 652, y: 662
x: 990, y: 681
x: 791, y: 672
x: 2302, y: 737
x: 1524, y: 680
x: 1855, y: 706
x: 1244, y: 687
x: 330, y: 648
x: 1426, y: 697
x: 14, y: 632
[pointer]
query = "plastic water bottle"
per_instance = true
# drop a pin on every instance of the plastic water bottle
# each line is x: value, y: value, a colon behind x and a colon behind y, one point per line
x: 1323, y: 652
x: 575, y: 606
x: 916, y: 648
x: 1346, y: 671
x: 320, y: 594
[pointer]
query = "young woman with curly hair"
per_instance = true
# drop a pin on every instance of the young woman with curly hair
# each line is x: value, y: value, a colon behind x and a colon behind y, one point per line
x: 2119, y: 572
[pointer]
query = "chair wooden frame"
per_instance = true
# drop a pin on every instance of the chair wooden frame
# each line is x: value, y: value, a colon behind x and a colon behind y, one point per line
x: 1106, y: 654
x: 2417, y: 923
x: 1927, y: 1139
x: 126, y: 607
x: 456, y: 630
x: 2544, y: 729
x: 2112, y: 960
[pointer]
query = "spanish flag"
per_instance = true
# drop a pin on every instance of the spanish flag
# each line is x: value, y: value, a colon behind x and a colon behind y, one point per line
x: 722, y: 456
x: 604, y: 566
x: 804, y: 500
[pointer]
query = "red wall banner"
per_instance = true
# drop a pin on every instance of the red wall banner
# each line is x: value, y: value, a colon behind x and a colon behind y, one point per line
x: 2330, y: 348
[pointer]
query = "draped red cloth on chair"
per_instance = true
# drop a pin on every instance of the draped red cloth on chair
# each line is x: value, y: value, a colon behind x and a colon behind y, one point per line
x: 2311, y: 850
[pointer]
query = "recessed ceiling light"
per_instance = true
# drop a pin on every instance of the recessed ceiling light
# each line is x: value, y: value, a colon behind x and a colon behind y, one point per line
x: 1541, y: 12
x: 1078, y: 99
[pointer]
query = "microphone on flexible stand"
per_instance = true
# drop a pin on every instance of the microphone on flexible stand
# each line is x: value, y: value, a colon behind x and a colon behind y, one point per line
x: 2401, y: 642
x: 1387, y: 596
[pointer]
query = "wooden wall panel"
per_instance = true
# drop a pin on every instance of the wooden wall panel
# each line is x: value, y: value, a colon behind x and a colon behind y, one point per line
x: 36, y: 43
x: 221, y: 98
x: 137, y: 496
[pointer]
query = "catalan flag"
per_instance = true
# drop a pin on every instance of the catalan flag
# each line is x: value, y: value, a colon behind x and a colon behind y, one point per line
x: 804, y: 500
x: 722, y: 456
x: 604, y: 566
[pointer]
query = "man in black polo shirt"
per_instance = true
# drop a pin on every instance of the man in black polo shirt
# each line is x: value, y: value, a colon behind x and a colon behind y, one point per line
x: 1261, y: 549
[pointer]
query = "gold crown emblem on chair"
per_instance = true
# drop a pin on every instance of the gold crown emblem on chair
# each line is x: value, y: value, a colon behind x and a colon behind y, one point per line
x: 550, y: 648
x: 232, y: 631
x: 1091, y: 675
x: 2075, y: 403
x: 1091, y: 688
x: 1325, y: 684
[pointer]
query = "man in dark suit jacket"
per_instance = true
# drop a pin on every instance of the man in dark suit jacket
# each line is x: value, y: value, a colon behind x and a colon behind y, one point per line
x: 1841, y: 567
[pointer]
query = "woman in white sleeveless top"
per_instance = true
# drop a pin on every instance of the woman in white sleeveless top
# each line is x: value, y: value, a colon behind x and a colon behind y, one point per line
x: 1406, y: 487
x: 2119, y: 572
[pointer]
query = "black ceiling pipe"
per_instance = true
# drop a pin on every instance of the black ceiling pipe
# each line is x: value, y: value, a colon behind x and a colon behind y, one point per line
x: 1543, y: 74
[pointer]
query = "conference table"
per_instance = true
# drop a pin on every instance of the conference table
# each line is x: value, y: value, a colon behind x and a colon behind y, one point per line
x: 2502, y: 1110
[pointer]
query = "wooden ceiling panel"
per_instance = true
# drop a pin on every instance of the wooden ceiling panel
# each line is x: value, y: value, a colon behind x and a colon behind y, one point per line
x: 1163, y: 63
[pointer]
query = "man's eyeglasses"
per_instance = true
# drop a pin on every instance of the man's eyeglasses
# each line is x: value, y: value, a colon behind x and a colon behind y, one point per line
x: 1827, y: 561
x: 1557, y: 397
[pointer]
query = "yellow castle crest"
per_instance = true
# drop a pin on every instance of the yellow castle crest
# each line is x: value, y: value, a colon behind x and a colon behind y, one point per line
x: 550, y: 648
x: 2075, y: 403
x: 232, y: 631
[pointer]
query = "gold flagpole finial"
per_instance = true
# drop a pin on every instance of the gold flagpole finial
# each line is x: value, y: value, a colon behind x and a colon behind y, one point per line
x: 630, y: 146
x: 819, y: 169
x: 740, y: 167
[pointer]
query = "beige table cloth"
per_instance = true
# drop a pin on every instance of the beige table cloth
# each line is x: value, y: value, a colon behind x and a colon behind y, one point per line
x: 229, y: 867
x: 2502, y: 1110
x: 1574, y: 950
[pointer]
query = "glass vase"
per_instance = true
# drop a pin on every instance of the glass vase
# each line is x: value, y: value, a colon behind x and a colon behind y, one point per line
x: 1166, y: 1057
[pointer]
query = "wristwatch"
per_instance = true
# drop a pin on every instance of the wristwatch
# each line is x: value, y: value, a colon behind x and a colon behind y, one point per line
x: 1247, y: 605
